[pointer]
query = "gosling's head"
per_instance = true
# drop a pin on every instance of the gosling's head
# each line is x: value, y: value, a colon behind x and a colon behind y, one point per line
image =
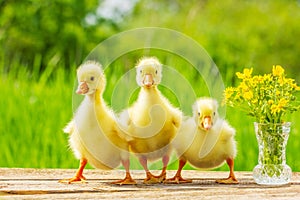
x: 148, y: 72
x: 205, y: 113
x: 90, y: 78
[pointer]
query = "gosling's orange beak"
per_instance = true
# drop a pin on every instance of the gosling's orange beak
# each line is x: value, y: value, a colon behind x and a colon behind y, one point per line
x: 148, y: 80
x: 207, y: 123
x: 83, y: 88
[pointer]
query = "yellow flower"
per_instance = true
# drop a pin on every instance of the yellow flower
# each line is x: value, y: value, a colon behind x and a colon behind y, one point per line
x: 254, y: 101
x: 276, y: 108
x: 283, y: 102
x: 267, y: 77
x: 257, y: 80
x: 246, y: 74
x: 277, y: 70
x: 270, y: 102
x: 278, y: 93
x: 282, y: 81
x: 248, y: 95
x: 244, y: 87
x: 229, y: 92
x: 292, y: 84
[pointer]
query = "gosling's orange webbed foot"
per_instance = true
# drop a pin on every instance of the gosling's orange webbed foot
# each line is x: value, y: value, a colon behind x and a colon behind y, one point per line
x: 177, y: 180
x: 125, y: 181
x: 161, y: 178
x: 74, y: 180
x: 229, y: 180
x: 78, y: 175
x: 151, y: 179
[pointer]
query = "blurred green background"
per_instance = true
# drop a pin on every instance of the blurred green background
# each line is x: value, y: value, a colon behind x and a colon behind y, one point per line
x: 43, y: 42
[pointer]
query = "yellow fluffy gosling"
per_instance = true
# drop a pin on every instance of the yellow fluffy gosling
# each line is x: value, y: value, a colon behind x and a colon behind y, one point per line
x: 94, y: 134
x: 151, y: 121
x: 205, y: 141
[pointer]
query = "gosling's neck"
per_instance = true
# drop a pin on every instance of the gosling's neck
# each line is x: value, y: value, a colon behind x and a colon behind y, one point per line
x: 96, y: 97
x: 150, y: 95
x: 150, y: 90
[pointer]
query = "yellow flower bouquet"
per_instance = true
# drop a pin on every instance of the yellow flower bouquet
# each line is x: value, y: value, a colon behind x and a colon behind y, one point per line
x: 268, y: 98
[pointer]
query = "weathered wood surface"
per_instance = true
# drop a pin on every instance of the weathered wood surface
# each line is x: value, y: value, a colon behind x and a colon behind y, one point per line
x: 43, y: 183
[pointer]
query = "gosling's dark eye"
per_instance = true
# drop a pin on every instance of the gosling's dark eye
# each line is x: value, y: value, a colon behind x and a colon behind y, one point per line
x: 214, y: 113
x: 141, y: 71
x: 92, y: 78
x: 156, y: 72
x: 198, y: 113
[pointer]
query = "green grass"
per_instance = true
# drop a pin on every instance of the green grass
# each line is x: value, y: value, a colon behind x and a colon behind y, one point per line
x: 32, y: 117
x: 34, y: 109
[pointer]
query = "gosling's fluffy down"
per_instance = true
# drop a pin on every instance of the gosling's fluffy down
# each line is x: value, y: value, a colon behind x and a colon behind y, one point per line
x: 94, y: 135
x: 151, y: 122
x: 205, y: 140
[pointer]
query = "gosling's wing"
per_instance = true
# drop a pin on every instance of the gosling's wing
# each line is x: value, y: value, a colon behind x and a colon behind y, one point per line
x: 227, y: 131
x: 185, y: 136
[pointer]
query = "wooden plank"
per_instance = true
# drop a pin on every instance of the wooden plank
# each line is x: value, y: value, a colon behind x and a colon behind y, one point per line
x: 43, y: 183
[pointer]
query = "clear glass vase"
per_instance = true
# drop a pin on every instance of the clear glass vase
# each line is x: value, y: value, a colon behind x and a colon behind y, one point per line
x: 272, y: 140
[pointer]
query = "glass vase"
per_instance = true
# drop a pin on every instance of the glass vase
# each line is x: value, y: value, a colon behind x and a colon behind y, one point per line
x: 272, y: 140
